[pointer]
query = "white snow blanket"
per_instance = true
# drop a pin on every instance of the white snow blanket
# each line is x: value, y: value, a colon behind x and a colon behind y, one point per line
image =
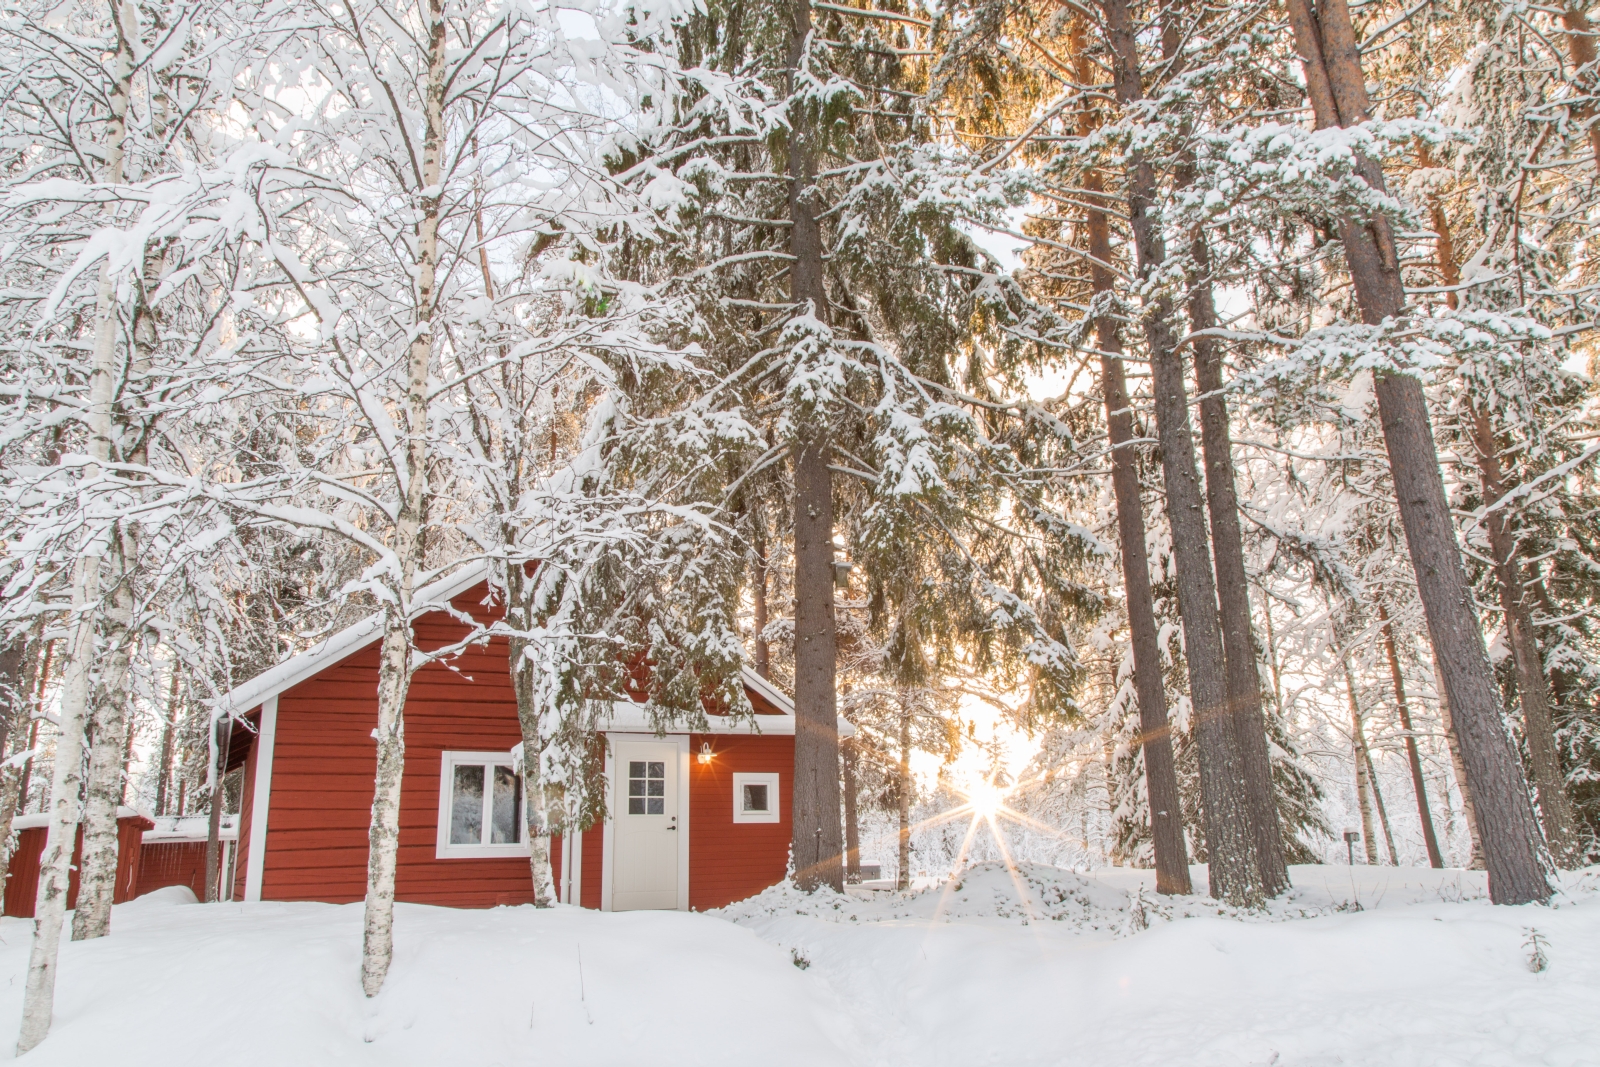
x: 1364, y: 966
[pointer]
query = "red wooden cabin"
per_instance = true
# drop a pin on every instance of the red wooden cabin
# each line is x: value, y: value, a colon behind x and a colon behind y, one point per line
x: 696, y: 820
x: 22, y: 885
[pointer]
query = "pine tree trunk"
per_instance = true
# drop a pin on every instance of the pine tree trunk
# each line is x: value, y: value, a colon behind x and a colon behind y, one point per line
x: 1468, y: 811
x: 97, y: 880
x: 758, y: 596
x: 394, y: 657
x: 1555, y: 808
x: 1506, y: 824
x: 903, y: 801
x: 817, y: 845
x: 1235, y: 869
x: 852, y: 826
x: 1245, y: 710
x: 1549, y: 780
x: 1155, y: 731
x: 66, y: 787
x: 1233, y: 584
x: 1383, y: 812
x: 164, y: 747
x: 1358, y: 742
x: 1580, y: 46
x: 1403, y: 708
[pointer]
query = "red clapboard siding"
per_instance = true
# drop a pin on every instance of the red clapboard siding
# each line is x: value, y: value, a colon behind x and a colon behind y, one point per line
x: 325, y: 758
x: 593, y: 866
x: 22, y: 885
x: 729, y: 861
x: 166, y: 863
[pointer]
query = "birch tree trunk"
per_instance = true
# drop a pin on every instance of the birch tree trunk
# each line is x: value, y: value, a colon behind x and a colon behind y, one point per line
x: 1419, y: 784
x: 534, y: 808
x: 97, y: 877
x: 222, y: 740
x: 1155, y: 731
x: 1506, y: 825
x: 815, y: 820
x: 394, y: 658
x: 1235, y: 866
x: 66, y: 787
x: 1358, y: 742
x: 1383, y: 812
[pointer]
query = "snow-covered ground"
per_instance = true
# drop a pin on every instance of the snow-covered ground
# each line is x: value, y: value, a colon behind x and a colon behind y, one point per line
x: 1365, y: 966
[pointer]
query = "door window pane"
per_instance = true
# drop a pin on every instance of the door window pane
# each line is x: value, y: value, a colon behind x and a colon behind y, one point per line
x: 466, y: 806
x: 506, y: 817
x: 647, y: 787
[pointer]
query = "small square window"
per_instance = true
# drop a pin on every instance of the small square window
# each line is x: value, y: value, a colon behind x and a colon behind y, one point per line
x: 755, y: 797
x: 647, y: 787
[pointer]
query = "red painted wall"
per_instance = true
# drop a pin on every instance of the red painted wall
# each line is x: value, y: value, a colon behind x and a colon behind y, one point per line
x: 729, y: 861
x: 22, y: 885
x: 325, y: 758
x: 166, y: 863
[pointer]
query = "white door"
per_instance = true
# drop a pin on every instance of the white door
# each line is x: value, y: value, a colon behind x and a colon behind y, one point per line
x: 645, y: 820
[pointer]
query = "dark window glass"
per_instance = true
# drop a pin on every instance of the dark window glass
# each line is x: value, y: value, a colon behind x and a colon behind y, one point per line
x: 647, y: 787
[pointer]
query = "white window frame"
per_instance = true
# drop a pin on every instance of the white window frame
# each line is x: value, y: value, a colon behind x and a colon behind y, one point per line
x: 742, y: 779
x: 443, y: 849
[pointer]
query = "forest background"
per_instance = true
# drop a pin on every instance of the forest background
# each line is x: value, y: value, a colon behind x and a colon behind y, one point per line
x: 1069, y: 395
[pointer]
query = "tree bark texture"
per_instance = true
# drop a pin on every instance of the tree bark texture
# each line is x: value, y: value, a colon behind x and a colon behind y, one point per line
x: 394, y: 662
x: 1155, y: 731
x: 758, y: 596
x: 50, y: 908
x: 1235, y: 874
x: 1580, y: 47
x: 535, y: 814
x: 902, y: 878
x: 164, y: 746
x: 1506, y: 826
x: 1419, y: 784
x: 1533, y: 693
x: 1358, y: 741
x: 1383, y: 812
x: 816, y: 841
x: 222, y: 740
x: 1233, y: 583
x: 97, y: 878
x: 851, y: 758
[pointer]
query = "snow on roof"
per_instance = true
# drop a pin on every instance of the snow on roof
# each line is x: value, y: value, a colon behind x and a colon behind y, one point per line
x: 42, y: 818
x: 297, y: 668
x: 191, y: 828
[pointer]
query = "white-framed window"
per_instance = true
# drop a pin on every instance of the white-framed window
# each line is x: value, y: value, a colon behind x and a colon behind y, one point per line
x: 755, y: 797
x: 480, y: 806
